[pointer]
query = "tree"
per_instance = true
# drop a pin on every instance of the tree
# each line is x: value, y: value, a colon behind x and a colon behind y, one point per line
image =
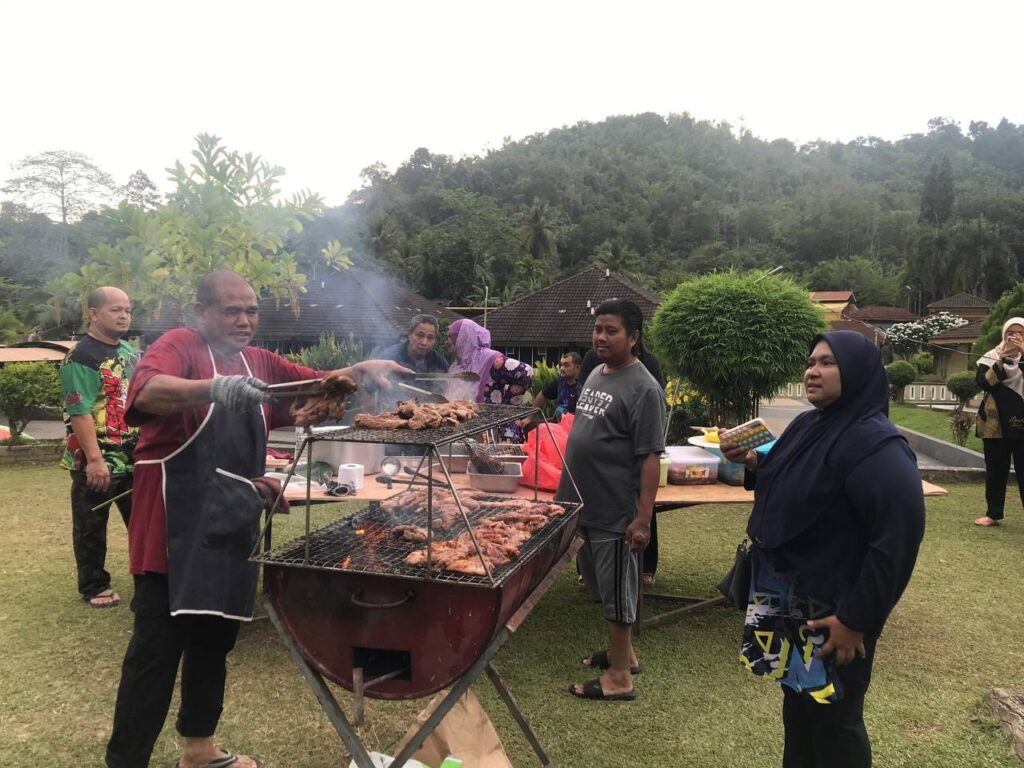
x: 1010, y: 304
x: 736, y: 337
x: 538, y: 228
x: 869, y: 280
x: 25, y: 387
x: 963, y: 387
x: 141, y: 192
x: 908, y: 338
x: 901, y: 374
x: 223, y: 214
x: 937, y: 196
x: 61, y: 184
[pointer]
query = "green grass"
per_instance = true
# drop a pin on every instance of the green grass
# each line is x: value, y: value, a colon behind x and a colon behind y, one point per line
x: 950, y: 640
x: 933, y: 423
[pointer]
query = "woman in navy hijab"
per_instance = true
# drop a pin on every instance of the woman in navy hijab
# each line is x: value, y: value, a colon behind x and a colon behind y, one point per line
x: 837, y: 521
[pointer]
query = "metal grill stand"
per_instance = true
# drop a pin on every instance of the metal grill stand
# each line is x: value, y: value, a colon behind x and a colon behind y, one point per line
x: 345, y: 727
x: 299, y: 555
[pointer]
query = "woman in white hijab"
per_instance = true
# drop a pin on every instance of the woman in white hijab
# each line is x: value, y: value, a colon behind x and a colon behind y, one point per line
x: 1001, y: 418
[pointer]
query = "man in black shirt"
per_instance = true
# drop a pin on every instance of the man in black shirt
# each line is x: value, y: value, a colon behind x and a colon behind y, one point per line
x: 564, y: 391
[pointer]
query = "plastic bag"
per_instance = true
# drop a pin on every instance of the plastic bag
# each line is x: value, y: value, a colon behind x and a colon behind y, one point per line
x: 549, y: 471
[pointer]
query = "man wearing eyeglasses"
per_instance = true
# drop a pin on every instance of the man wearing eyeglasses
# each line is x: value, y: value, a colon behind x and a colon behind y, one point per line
x: 199, y: 397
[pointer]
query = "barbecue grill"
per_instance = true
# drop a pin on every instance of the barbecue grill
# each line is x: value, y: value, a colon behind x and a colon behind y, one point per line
x: 350, y: 609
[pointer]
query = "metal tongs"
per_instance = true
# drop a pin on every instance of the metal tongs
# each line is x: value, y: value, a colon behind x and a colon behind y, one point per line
x: 424, y: 394
x: 302, y: 388
x: 467, y: 376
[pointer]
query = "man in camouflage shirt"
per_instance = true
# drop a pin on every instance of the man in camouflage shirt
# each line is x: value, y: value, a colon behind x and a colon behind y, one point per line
x: 94, y: 384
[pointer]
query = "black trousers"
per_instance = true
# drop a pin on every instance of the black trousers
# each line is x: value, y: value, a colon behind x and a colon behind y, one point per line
x: 824, y: 735
x: 159, y: 643
x: 998, y: 452
x: 89, y: 529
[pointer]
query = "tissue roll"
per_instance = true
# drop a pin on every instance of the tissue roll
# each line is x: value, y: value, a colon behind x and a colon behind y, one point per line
x: 351, y: 474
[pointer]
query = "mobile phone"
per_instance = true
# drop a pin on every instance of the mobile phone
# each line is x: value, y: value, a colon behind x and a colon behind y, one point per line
x: 748, y: 435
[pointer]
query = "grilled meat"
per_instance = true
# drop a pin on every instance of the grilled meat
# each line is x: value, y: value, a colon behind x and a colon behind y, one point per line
x: 409, y: 415
x: 325, y: 401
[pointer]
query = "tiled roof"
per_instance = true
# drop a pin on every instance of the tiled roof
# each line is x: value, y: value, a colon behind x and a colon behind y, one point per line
x: 968, y: 332
x: 561, y: 313
x: 372, y: 307
x: 872, y: 334
x: 960, y: 300
x: 882, y: 315
x: 820, y: 296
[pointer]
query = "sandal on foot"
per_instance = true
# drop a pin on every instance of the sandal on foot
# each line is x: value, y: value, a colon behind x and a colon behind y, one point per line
x: 986, y: 522
x: 647, y: 579
x: 225, y: 761
x: 599, y: 660
x: 105, y: 599
x: 592, y: 690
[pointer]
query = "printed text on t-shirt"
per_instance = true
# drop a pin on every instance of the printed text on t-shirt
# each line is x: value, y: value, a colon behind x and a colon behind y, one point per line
x: 593, y: 402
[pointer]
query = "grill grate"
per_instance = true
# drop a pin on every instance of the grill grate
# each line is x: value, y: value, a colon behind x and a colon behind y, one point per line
x: 489, y: 416
x: 365, y: 543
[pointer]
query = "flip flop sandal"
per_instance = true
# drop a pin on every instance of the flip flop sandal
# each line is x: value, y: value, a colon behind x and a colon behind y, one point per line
x: 111, y: 598
x: 647, y: 579
x: 599, y: 660
x: 592, y: 690
x: 986, y: 522
x: 227, y: 760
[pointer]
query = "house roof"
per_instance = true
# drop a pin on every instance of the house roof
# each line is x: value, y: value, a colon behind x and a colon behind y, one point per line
x: 960, y: 300
x: 871, y: 333
x: 882, y: 315
x: 371, y: 307
x: 969, y: 332
x: 832, y: 296
x: 35, y: 352
x: 561, y: 313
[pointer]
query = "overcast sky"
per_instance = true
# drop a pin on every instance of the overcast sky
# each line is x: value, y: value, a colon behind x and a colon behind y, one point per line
x: 325, y: 89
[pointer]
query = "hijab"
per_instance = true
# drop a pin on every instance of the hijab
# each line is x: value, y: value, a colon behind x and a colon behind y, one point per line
x: 473, y: 353
x: 1014, y: 380
x: 807, y: 468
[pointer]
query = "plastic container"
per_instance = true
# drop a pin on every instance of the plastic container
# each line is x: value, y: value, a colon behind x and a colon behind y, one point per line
x: 506, y: 482
x: 690, y: 465
x: 335, y: 452
x: 456, y: 463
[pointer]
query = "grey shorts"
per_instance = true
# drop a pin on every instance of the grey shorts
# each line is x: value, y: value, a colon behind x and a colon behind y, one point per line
x: 611, y: 573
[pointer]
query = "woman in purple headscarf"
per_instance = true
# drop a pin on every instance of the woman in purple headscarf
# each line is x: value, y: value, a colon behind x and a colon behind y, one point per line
x: 503, y: 380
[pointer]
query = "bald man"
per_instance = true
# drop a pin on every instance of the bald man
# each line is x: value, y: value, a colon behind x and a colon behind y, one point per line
x: 94, y: 380
x: 199, y: 396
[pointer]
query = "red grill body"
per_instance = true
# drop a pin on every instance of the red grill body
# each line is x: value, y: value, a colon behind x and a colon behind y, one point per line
x: 432, y: 629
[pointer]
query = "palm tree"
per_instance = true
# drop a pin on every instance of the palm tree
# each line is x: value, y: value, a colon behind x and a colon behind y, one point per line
x: 539, y: 237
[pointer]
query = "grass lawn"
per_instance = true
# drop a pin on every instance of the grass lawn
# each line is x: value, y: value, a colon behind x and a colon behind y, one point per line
x: 950, y: 640
x: 933, y: 423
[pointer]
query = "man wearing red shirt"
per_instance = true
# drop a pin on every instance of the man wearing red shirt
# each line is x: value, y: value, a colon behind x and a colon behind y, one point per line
x: 199, y: 397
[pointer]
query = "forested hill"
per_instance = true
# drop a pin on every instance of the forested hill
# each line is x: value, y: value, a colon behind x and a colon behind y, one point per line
x: 662, y: 198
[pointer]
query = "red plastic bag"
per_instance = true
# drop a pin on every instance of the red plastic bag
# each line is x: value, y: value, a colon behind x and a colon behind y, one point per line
x: 546, y: 461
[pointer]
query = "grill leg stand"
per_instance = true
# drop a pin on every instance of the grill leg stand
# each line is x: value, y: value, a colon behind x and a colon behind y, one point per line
x: 358, y: 710
x: 324, y: 696
x: 517, y: 715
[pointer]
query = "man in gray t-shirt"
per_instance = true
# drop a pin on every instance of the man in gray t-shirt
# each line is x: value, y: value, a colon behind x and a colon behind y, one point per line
x: 612, y: 455
x: 619, y: 420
